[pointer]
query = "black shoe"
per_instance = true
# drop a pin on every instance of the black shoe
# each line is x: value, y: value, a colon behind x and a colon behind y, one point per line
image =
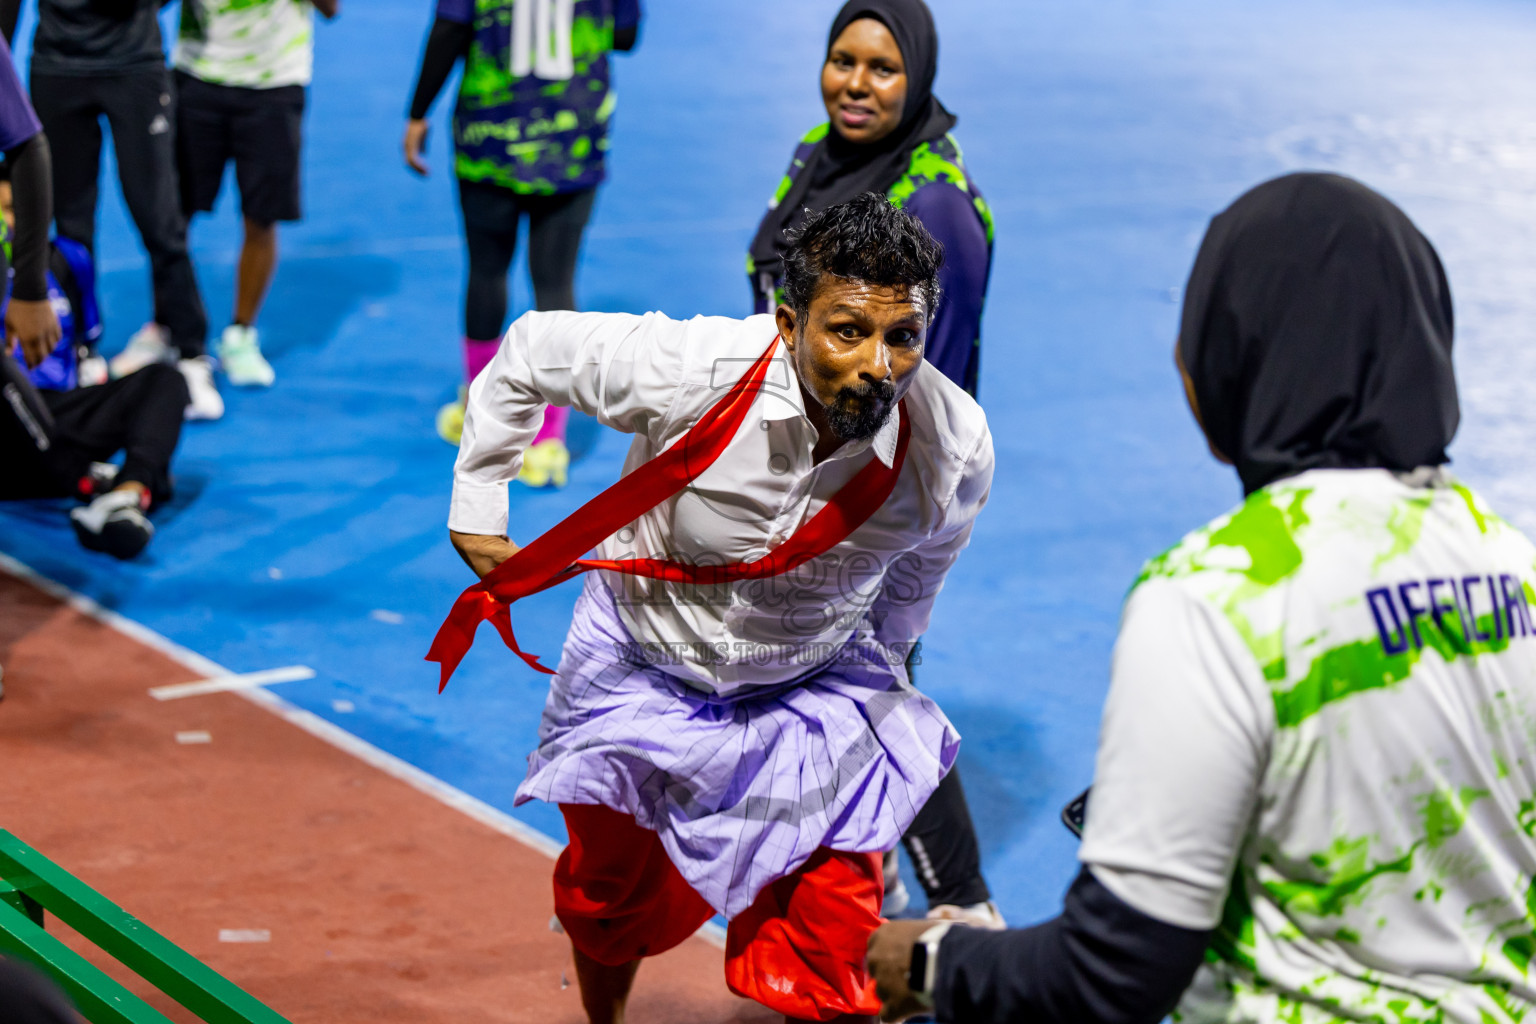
x: 113, y: 523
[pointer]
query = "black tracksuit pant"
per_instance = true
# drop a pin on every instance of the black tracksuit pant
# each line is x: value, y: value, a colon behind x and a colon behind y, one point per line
x: 48, y: 439
x: 140, y: 108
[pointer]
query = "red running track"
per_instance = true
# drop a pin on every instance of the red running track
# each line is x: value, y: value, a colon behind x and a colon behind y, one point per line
x: 383, y: 904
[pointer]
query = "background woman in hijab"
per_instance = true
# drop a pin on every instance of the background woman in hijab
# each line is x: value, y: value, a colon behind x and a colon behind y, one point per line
x: 1314, y: 785
x: 887, y: 133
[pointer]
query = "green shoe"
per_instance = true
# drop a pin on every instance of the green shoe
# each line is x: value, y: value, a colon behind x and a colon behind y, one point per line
x: 545, y: 465
x: 240, y: 356
x: 450, y: 420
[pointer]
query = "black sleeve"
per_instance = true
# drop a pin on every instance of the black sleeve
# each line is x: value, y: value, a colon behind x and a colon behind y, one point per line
x: 32, y: 194
x: 1101, y: 962
x: 10, y: 10
x: 446, y: 43
x: 625, y: 37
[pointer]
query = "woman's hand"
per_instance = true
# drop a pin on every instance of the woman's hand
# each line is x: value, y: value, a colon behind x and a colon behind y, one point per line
x: 481, y: 552
x: 415, y: 142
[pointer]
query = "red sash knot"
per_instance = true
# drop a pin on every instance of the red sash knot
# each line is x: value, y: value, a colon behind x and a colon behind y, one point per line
x: 555, y: 557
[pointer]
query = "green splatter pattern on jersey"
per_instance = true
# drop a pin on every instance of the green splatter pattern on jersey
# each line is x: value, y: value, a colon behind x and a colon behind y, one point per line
x: 257, y: 44
x: 1396, y: 819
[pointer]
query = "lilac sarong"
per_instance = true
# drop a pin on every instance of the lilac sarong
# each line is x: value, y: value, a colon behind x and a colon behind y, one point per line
x: 741, y: 790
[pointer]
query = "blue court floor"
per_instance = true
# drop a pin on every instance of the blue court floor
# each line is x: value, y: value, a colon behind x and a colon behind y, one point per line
x: 310, y: 525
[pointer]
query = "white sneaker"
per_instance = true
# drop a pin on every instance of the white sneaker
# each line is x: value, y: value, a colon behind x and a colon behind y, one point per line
x: 203, y: 399
x: 91, y: 372
x: 149, y: 344
x: 977, y: 915
x: 113, y: 523
x: 240, y: 357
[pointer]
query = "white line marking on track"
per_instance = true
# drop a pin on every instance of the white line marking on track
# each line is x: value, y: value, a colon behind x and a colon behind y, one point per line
x: 244, y: 935
x: 389, y: 764
x: 225, y: 683
x: 194, y: 736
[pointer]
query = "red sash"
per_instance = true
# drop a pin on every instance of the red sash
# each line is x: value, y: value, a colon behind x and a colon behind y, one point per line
x: 554, y: 557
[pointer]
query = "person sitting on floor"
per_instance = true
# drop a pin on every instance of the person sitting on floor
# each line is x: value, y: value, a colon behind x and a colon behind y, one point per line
x: 54, y: 433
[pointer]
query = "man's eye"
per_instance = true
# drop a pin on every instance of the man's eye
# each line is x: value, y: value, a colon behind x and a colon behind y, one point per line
x: 902, y: 339
x: 848, y: 332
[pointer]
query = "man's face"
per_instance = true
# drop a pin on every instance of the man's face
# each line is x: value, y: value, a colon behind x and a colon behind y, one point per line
x: 857, y: 350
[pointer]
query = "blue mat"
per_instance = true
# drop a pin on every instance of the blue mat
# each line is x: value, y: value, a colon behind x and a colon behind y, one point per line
x: 310, y: 524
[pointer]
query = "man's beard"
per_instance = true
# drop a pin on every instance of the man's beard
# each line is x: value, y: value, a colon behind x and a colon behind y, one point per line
x: 859, y: 413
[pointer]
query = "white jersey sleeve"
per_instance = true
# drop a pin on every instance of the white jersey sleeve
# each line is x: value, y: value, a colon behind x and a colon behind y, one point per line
x: 1182, y: 749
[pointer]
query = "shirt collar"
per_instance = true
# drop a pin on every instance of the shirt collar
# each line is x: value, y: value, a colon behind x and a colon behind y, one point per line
x: 787, y: 401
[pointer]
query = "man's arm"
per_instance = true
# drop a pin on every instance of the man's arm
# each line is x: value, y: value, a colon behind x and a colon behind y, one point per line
x: 620, y: 368
x: 1184, y: 742
x: 901, y: 611
x: 29, y: 317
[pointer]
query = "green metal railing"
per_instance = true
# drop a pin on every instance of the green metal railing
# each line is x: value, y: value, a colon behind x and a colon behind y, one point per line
x: 31, y: 883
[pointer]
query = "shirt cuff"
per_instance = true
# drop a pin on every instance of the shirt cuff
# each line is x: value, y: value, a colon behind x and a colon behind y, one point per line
x: 478, y: 508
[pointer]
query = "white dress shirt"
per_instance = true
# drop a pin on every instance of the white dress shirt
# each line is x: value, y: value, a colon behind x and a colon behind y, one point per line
x: 654, y: 377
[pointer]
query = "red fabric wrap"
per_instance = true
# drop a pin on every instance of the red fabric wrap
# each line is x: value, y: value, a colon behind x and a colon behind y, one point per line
x: 798, y: 950
x: 555, y: 557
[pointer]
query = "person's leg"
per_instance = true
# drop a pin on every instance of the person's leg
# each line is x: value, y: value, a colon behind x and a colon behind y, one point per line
x: 619, y: 899
x: 555, y: 228
x: 944, y: 851
x: 799, y: 948
x: 70, y: 115
x: 258, y: 262
x: 268, y: 133
x: 36, y: 465
x: 491, y: 216
x: 141, y: 109
x: 139, y: 415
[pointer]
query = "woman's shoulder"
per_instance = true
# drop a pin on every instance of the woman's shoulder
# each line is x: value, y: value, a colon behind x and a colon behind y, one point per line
x: 936, y: 173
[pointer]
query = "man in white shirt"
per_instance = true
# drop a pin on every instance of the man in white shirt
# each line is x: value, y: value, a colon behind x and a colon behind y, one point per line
x: 731, y: 728
x: 1315, y: 797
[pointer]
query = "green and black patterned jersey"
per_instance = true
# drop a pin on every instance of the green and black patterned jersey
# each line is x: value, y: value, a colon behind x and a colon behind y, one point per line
x: 535, y: 101
x: 1321, y: 740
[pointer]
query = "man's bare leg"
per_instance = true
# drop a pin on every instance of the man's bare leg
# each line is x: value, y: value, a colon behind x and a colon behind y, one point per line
x: 604, y: 989
x: 258, y: 262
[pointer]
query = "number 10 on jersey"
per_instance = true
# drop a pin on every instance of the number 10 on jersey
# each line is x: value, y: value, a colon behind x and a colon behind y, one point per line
x: 541, y: 39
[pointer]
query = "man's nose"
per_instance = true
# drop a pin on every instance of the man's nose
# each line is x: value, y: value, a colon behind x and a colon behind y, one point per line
x: 877, y: 362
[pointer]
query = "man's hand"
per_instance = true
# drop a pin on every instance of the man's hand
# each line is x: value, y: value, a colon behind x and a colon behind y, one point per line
x: 35, y: 327
x: 481, y: 552
x: 328, y: 8
x: 890, y: 961
x: 415, y: 142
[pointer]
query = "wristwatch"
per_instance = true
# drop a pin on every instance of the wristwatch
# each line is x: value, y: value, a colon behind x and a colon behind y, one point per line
x: 923, y: 975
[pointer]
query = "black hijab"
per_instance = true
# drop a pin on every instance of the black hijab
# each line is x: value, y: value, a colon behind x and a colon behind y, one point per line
x: 838, y: 170
x: 1317, y: 331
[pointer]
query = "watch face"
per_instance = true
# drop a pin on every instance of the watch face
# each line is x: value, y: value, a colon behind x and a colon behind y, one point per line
x: 917, y: 974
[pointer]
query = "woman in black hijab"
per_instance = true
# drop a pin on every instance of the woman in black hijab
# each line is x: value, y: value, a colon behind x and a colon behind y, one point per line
x: 1317, y: 333
x: 887, y: 133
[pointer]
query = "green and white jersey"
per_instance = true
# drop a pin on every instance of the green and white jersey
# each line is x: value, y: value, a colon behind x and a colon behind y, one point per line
x: 255, y: 44
x: 1320, y: 741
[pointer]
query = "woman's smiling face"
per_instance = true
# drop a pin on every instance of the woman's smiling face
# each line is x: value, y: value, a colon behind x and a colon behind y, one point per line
x: 864, y: 82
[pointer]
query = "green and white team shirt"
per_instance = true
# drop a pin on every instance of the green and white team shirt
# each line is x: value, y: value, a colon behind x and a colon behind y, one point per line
x: 1320, y: 740
x: 254, y: 44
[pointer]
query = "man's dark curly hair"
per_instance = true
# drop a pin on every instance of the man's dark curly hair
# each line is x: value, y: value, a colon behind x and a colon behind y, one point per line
x: 865, y: 239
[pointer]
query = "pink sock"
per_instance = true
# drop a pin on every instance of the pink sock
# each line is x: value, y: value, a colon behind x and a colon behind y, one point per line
x: 476, y: 355
x: 554, y: 424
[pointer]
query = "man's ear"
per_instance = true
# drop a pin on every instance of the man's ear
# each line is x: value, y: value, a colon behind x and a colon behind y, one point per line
x: 785, y: 317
